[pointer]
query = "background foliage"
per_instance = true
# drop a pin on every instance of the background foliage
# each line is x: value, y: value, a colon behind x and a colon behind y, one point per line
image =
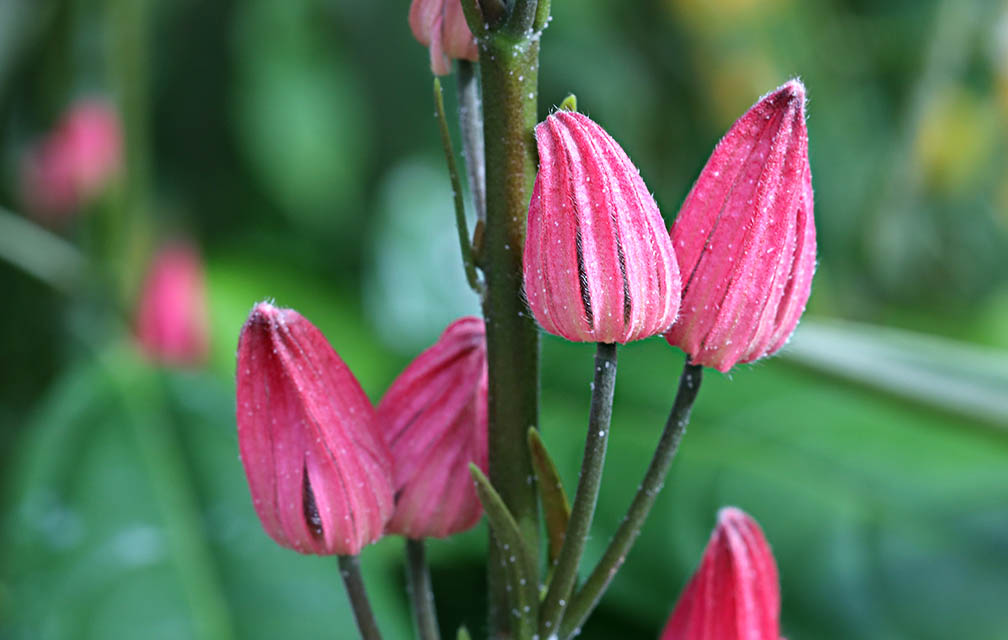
x: 294, y: 141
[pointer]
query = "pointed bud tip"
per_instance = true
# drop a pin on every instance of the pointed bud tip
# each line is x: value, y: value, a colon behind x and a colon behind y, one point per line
x: 731, y: 517
x: 791, y: 94
x: 264, y: 312
x: 793, y: 88
x: 726, y: 514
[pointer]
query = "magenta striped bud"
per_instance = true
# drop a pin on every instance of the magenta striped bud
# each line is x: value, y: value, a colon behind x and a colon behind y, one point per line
x: 745, y: 237
x: 441, y: 26
x: 318, y: 469
x: 599, y: 264
x: 434, y: 417
x: 734, y: 595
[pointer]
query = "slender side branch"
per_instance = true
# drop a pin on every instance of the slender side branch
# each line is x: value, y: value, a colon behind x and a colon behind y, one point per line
x: 471, y: 124
x: 583, y: 510
x: 40, y: 253
x: 542, y: 16
x: 420, y: 592
x: 483, y: 15
x: 523, y: 15
x: 354, y: 582
x: 584, y: 602
x: 460, y: 219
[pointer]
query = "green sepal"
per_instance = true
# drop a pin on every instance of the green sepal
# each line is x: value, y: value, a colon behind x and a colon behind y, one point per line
x: 518, y: 561
x: 555, y: 505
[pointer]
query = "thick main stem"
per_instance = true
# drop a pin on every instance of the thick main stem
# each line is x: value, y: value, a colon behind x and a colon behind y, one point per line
x: 509, y: 73
x: 583, y: 603
x: 420, y: 592
x: 589, y: 482
x: 354, y: 582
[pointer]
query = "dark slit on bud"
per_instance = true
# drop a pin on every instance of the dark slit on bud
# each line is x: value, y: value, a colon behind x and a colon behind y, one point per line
x: 311, y: 512
x: 582, y: 276
x: 627, y: 304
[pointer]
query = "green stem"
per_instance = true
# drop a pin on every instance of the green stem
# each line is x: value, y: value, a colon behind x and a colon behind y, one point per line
x: 354, y: 582
x: 483, y: 16
x: 460, y: 219
x: 509, y: 72
x: 125, y: 228
x: 542, y: 16
x: 522, y: 17
x: 583, y: 603
x: 420, y: 593
x: 471, y: 125
x: 583, y: 510
x: 40, y: 253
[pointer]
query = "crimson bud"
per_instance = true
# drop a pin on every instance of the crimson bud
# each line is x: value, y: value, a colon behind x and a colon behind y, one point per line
x: 318, y: 470
x: 434, y: 417
x: 598, y: 262
x: 745, y: 237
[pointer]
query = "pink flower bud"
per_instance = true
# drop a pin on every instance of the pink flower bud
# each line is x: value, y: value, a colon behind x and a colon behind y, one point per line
x: 73, y: 163
x: 441, y: 26
x: 734, y: 594
x: 318, y: 469
x: 434, y: 417
x: 745, y: 237
x: 599, y: 265
x: 171, y: 321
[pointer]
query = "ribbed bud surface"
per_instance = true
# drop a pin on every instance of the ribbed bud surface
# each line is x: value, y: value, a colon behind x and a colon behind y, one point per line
x: 598, y: 262
x: 434, y: 417
x: 745, y: 237
x: 734, y: 595
x: 441, y: 26
x: 318, y: 470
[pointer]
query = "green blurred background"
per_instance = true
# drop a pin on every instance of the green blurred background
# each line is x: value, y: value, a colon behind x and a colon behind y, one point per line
x: 293, y: 140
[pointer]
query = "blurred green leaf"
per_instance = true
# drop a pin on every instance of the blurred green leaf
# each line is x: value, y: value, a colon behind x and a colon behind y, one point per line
x: 415, y: 284
x: 953, y: 376
x: 300, y: 114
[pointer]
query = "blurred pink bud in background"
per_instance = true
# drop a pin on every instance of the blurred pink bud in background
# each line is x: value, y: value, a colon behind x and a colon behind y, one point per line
x: 599, y: 264
x: 74, y: 163
x: 745, y: 237
x: 171, y: 321
x: 734, y: 595
x: 318, y: 470
x: 441, y: 26
x: 434, y: 417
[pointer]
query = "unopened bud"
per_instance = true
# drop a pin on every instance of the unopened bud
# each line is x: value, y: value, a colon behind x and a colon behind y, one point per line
x: 734, y: 595
x: 599, y: 264
x: 171, y: 322
x: 318, y: 470
x: 434, y: 418
x: 745, y: 237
